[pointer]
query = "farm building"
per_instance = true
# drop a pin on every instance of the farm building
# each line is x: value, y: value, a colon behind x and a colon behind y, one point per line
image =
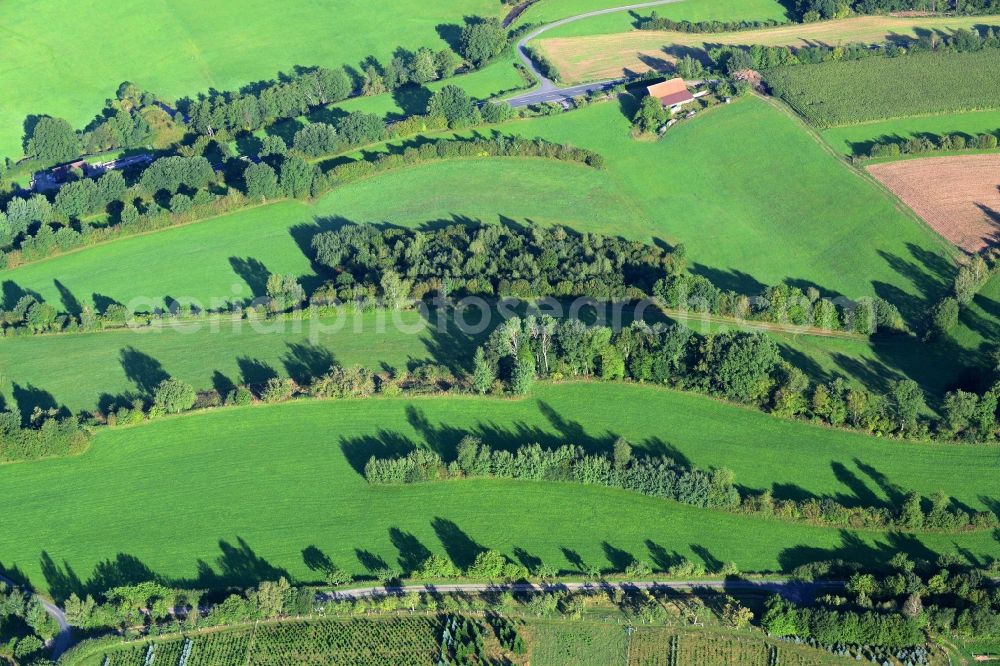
x: 673, y: 94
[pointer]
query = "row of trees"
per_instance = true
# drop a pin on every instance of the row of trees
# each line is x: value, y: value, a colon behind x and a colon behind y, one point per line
x: 258, y: 106
x: 942, y: 319
x: 929, y: 143
x: 740, y: 366
x: 814, y: 10
x: 48, y: 433
x: 730, y: 59
x: 662, y: 477
x: 894, y: 607
x: 490, y: 259
x: 656, y: 22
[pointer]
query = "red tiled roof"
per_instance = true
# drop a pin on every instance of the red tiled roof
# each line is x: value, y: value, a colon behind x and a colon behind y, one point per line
x: 670, y: 92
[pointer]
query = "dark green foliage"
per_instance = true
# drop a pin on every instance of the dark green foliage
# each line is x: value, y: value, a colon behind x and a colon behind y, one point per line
x: 943, y: 319
x: 297, y: 177
x: 656, y: 477
x: 739, y: 365
x: 455, y: 105
x: 830, y: 626
x: 53, y: 140
x: 49, y: 435
x: 482, y: 39
x: 171, y: 173
x: 495, y: 260
x: 173, y: 396
x: 316, y: 139
x: 261, y: 181
x: 656, y: 22
x: 359, y: 128
x: 497, y: 112
x: 650, y: 115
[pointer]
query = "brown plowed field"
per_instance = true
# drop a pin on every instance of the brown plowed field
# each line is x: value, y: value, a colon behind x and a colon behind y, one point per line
x: 958, y: 196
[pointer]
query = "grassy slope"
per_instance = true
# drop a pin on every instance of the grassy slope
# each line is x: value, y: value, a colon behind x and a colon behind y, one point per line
x: 688, y: 10
x: 183, y: 47
x: 858, y: 139
x: 601, y: 56
x: 922, y: 83
x: 797, y: 214
x: 278, y: 478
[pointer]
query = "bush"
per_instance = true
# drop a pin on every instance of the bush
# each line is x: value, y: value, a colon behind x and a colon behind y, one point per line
x: 173, y: 396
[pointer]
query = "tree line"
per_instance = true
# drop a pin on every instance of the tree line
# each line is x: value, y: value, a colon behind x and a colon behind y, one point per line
x: 809, y: 11
x: 927, y: 143
x: 745, y: 367
x: 895, y: 607
x: 729, y: 59
x: 661, y: 476
x: 259, y: 105
x: 535, y: 262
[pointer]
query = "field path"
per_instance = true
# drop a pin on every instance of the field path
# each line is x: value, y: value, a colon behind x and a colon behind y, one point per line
x: 547, y: 90
x: 791, y: 589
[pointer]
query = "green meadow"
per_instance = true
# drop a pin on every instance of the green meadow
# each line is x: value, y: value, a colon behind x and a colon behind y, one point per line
x: 858, y: 139
x: 771, y: 207
x: 234, y: 495
x: 178, y: 48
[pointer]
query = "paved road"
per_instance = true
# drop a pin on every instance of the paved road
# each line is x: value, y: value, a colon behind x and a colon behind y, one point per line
x: 547, y: 90
x: 794, y: 590
x: 64, y: 638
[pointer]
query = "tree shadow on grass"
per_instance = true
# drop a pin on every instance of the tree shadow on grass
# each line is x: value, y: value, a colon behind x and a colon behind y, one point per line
x: 305, y: 361
x: 142, y: 370
x: 461, y: 548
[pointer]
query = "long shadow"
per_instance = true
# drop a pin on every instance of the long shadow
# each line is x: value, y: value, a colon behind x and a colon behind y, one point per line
x: 69, y: 302
x: 253, y: 272
x: 254, y: 372
x: 461, y: 548
x: 13, y: 292
x: 305, y: 361
x: 618, y: 558
x: 853, y: 549
x: 29, y: 397
x: 412, y: 553
x: 142, y: 370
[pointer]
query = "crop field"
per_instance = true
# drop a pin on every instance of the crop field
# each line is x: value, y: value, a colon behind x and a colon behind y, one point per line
x: 599, y: 57
x: 959, y: 197
x: 351, y: 642
x: 685, y: 10
x: 847, y: 92
x: 244, y: 491
x: 567, y: 644
x: 798, y: 214
x: 184, y: 47
x: 657, y: 646
x: 859, y: 139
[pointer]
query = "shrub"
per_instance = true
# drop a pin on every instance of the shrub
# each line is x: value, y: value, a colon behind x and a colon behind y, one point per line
x: 173, y: 396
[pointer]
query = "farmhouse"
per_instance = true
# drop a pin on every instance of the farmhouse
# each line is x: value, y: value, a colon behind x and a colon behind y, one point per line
x: 673, y: 94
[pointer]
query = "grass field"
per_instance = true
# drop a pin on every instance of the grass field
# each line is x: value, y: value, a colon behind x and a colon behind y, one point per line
x: 115, y: 363
x: 923, y: 83
x: 182, y: 47
x: 547, y: 11
x: 609, y: 56
x: 234, y: 495
x: 859, y: 139
x: 797, y: 213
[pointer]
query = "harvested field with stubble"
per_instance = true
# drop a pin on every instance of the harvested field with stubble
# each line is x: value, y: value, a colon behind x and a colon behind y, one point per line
x: 959, y: 197
x: 609, y: 56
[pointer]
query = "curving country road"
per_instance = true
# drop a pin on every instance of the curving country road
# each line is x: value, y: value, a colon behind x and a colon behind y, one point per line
x: 64, y: 638
x: 547, y: 90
